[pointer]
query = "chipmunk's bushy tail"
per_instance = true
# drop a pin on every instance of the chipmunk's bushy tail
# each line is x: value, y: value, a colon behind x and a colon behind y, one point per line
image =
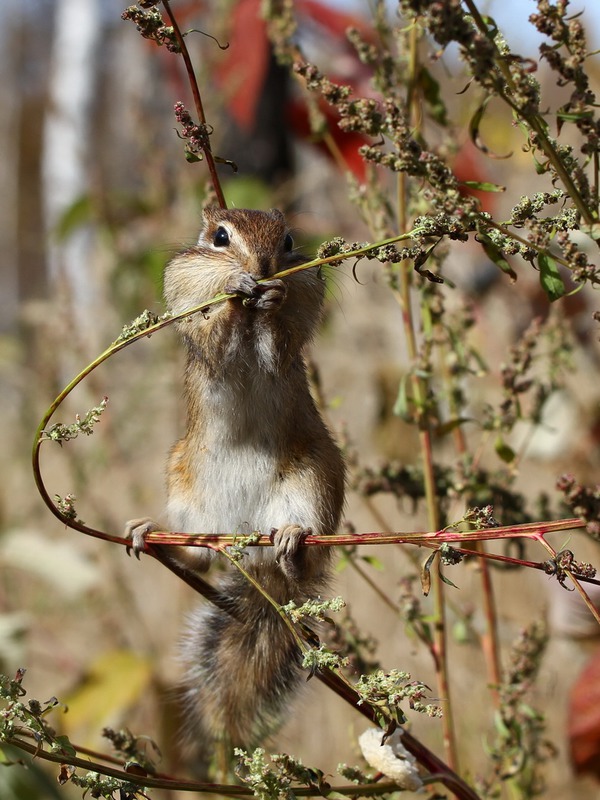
x: 242, y: 667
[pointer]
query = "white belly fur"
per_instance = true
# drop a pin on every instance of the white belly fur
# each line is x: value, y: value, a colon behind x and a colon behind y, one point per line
x: 238, y: 490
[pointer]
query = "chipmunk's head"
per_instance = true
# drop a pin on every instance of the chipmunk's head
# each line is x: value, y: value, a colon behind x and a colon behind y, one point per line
x: 236, y: 249
x: 258, y: 242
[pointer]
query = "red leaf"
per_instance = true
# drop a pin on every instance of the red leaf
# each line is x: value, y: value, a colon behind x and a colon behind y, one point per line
x: 584, y: 719
x: 242, y: 72
x: 346, y: 142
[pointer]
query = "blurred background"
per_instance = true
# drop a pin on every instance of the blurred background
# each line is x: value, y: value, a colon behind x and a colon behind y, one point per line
x: 95, y: 197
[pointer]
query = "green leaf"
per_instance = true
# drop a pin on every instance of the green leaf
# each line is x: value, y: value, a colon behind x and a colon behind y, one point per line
x: 573, y: 116
x: 64, y: 746
x: 504, y: 451
x: 494, y: 253
x: 401, y: 405
x: 421, y: 258
x: 550, y: 278
x: 492, y: 25
x: 539, y: 167
x: 447, y: 580
x: 374, y: 562
x: 501, y: 727
x: 227, y: 162
x: 475, y: 124
x: 450, y: 425
x: 483, y: 186
x: 75, y: 216
x: 432, y: 94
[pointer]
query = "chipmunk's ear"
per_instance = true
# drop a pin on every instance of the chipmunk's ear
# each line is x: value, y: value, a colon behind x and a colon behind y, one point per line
x: 276, y: 214
x: 209, y: 214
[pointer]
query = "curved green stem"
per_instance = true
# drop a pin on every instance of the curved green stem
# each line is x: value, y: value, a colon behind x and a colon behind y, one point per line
x: 120, y: 344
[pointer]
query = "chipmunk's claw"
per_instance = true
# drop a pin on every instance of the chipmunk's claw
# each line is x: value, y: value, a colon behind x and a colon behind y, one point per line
x: 264, y: 296
x: 136, y: 531
x: 289, y: 554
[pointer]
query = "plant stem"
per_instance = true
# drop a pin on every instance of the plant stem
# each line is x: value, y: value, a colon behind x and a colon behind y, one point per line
x: 534, y: 121
x: 575, y: 579
x: 420, y: 388
x: 228, y: 790
x: 210, y: 160
x: 383, y: 596
x: 119, y: 345
x: 489, y: 639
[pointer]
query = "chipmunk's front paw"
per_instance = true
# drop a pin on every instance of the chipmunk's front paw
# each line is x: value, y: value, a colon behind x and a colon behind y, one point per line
x: 264, y: 296
x: 269, y: 295
x: 288, y: 553
x: 136, y: 531
x: 242, y: 284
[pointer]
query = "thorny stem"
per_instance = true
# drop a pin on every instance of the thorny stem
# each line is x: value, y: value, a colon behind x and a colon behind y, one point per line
x: 432, y: 540
x: 534, y: 121
x: 189, y: 67
x: 528, y: 530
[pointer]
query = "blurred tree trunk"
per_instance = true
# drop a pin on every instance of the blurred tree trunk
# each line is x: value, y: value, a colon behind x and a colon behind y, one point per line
x: 9, y: 167
x: 68, y: 149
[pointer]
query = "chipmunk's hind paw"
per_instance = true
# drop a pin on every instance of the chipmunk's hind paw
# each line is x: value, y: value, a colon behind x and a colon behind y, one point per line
x: 136, y: 531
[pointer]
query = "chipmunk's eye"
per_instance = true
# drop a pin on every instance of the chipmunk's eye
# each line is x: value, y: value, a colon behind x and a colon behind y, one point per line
x: 221, y: 238
x: 288, y: 243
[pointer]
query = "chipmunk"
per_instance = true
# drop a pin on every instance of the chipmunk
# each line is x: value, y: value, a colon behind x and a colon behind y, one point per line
x: 256, y: 456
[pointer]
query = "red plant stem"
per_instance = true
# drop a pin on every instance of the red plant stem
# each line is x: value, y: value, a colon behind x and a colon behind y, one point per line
x: 210, y: 161
x: 529, y: 530
x: 489, y: 639
x: 218, y: 541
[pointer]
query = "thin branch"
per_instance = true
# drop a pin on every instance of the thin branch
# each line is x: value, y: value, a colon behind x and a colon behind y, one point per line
x: 226, y: 790
x: 529, y: 530
x: 534, y: 121
x: 210, y: 160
